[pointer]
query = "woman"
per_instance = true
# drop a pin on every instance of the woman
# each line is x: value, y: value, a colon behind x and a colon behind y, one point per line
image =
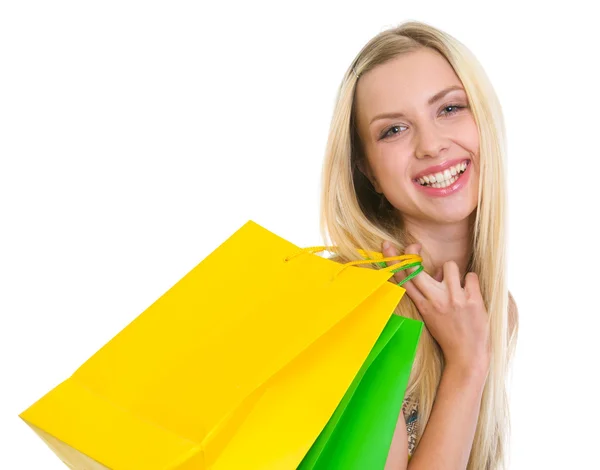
x: 415, y: 159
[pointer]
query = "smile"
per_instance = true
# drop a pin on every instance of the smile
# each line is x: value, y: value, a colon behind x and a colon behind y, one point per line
x: 445, y: 182
x: 444, y: 178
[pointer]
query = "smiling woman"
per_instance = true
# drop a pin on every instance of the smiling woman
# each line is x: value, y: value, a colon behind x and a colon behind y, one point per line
x: 431, y: 141
x: 415, y: 164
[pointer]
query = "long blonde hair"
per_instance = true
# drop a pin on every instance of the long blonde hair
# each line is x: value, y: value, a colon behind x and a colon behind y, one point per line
x: 352, y: 218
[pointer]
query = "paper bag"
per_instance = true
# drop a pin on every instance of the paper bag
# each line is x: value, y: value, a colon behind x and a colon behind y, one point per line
x: 239, y: 365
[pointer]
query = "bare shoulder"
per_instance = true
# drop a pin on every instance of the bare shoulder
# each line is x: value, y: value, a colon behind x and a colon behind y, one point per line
x: 512, y: 304
x: 513, y: 314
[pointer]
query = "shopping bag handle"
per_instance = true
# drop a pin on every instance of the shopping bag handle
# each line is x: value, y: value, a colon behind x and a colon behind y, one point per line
x: 405, y: 261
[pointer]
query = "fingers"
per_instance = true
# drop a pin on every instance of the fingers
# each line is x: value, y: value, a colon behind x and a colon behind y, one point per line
x: 411, y: 289
x: 388, y: 251
x: 452, y: 276
x: 472, y: 288
x: 426, y: 284
x: 413, y: 249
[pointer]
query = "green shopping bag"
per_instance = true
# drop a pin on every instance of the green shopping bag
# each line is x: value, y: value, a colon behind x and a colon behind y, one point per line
x: 359, y: 434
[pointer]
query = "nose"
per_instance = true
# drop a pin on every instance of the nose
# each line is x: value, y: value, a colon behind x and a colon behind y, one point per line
x: 430, y: 142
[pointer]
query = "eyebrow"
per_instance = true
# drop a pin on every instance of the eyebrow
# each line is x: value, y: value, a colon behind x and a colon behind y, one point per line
x: 439, y: 95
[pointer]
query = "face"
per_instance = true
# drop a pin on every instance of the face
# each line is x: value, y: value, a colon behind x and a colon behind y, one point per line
x: 422, y: 154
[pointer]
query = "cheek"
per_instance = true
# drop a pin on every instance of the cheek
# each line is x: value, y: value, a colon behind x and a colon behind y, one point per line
x: 470, y: 135
x: 393, y: 174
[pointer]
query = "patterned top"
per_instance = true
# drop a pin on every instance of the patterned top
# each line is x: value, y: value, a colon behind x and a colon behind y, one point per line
x: 410, y: 411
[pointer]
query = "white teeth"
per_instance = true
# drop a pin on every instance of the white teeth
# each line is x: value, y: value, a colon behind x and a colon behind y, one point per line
x: 445, y: 178
x: 444, y: 183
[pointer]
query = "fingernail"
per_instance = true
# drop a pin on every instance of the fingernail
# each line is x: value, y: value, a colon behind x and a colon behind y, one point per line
x: 386, y: 245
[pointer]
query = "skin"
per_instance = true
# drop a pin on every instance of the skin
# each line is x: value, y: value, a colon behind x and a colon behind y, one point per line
x: 449, y: 299
x: 428, y: 135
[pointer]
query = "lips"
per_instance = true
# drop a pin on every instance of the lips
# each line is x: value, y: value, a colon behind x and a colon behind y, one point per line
x: 460, y: 182
x: 439, y: 168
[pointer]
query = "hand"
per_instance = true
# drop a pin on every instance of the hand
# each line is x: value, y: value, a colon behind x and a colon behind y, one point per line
x: 455, y: 316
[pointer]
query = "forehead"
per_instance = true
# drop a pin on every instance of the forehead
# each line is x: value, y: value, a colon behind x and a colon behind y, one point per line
x: 403, y: 83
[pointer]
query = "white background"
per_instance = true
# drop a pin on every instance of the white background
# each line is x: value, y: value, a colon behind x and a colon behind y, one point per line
x: 136, y: 136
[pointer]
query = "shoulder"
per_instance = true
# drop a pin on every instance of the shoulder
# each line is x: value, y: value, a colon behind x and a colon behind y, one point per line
x: 513, y: 314
x: 512, y: 305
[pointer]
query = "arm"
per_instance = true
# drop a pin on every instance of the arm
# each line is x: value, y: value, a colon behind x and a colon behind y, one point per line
x: 448, y: 438
x: 456, y: 317
x: 453, y: 419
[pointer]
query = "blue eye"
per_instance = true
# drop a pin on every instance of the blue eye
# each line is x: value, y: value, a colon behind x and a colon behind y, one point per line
x: 456, y: 107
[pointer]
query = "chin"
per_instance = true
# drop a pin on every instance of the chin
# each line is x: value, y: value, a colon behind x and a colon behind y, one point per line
x: 452, y: 216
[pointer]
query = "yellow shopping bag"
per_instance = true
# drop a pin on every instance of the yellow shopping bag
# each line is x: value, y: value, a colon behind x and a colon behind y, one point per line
x: 239, y: 365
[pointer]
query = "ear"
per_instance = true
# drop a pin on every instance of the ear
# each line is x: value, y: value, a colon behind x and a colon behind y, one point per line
x: 365, y: 169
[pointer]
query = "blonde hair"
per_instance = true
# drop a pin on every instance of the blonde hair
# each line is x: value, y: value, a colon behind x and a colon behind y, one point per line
x: 351, y: 219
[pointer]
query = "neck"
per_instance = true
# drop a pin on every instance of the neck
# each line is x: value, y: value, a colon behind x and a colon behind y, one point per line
x: 442, y: 242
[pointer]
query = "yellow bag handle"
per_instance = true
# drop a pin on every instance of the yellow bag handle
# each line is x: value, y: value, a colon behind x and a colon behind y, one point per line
x: 406, y: 261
